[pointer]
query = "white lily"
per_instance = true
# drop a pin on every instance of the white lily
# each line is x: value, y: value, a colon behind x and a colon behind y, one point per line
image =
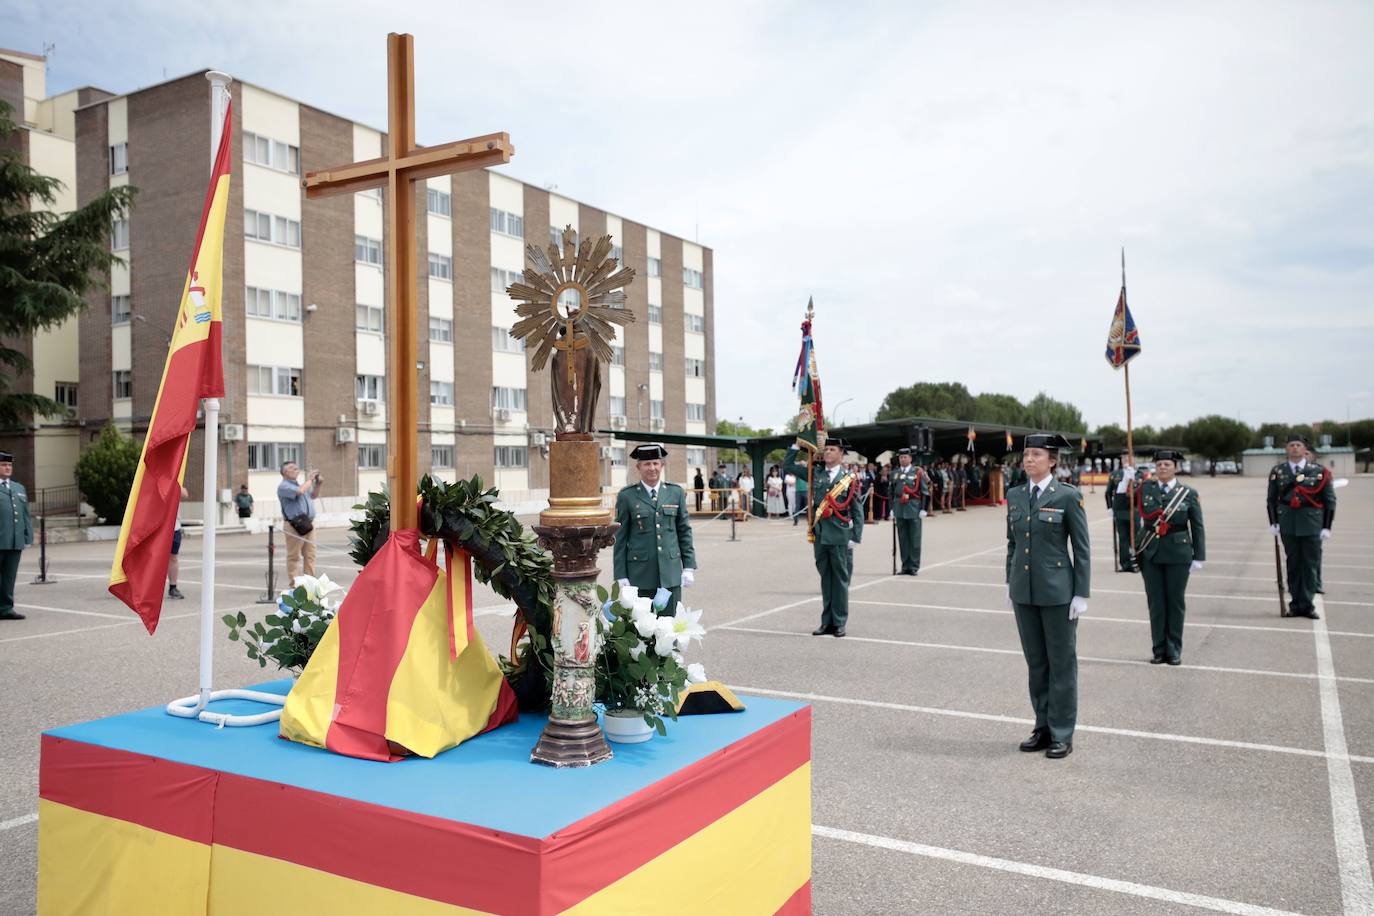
x: 644, y: 619
x: 687, y: 626
x: 665, y: 640
x: 696, y: 673
x: 628, y: 594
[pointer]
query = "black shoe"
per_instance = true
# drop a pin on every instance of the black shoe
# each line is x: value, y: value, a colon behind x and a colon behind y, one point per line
x: 174, y: 592
x: 11, y: 615
x: 1310, y: 613
x: 1175, y: 660
x: 837, y: 632
x: 1157, y: 660
x: 1059, y: 749
x: 1038, y: 741
x: 822, y: 630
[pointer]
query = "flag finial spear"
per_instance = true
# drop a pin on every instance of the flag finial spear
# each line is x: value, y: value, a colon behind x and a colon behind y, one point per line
x: 810, y: 308
x: 1123, y: 266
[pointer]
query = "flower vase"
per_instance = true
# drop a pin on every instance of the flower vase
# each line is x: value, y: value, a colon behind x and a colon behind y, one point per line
x: 626, y: 726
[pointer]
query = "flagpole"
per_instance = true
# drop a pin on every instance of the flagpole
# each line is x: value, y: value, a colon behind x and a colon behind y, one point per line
x: 1130, y: 441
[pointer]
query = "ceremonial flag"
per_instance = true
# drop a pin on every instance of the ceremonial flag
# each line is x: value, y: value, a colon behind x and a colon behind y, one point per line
x: 972, y: 434
x: 1123, y: 340
x: 194, y: 370
x: 1009, y: 442
x: 807, y: 383
x: 1083, y: 445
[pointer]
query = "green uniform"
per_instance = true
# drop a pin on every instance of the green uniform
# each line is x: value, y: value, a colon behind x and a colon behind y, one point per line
x: 834, y: 557
x: 16, y: 533
x: 1120, y: 504
x: 1042, y: 579
x: 1302, y: 503
x: 1166, y: 560
x: 654, y: 543
x: 909, y: 488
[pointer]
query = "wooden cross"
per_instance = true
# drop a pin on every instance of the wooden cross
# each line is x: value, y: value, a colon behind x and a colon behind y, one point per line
x: 397, y: 171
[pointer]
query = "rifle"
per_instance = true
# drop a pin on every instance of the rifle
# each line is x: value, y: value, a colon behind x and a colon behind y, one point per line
x: 1116, y: 546
x: 1278, y: 575
x: 894, y: 546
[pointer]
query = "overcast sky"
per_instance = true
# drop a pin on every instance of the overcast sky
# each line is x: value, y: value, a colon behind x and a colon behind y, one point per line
x: 951, y: 182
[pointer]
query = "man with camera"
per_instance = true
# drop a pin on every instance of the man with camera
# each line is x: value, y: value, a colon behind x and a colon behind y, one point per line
x: 298, y: 509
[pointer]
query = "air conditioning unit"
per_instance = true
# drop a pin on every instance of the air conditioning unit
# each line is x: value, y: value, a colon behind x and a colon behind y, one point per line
x: 617, y: 422
x: 345, y: 434
x: 656, y: 424
x: 502, y: 414
x: 539, y: 440
x: 371, y: 408
x: 605, y: 451
x: 231, y: 432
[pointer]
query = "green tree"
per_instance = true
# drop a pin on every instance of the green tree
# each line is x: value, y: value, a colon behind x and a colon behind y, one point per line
x: 939, y: 400
x: 47, y: 264
x: 742, y: 430
x: 998, y: 408
x: 105, y: 473
x: 1044, y: 412
x: 1217, y: 437
x: 1113, y: 436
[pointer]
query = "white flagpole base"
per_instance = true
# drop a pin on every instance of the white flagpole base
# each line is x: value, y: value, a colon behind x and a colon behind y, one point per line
x: 194, y: 707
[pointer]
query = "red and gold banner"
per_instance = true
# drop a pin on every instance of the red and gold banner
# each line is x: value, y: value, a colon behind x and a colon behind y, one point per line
x: 194, y: 370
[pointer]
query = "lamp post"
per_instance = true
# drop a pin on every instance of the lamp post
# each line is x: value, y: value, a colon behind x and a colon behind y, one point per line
x: 835, y: 417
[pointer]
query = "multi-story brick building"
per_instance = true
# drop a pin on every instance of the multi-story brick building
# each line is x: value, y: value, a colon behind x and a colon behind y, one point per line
x: 304, y: 289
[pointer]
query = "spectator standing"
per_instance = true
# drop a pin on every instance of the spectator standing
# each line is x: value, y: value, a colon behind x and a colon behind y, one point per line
x: 880, y: 494
x: 789, y: 492
x: 174, y: 562
x: 698, y: 485
x: 774, y: 502
x: 298, y: 509
x: 746, y: 493
x: 244, y: 501
x: 16, y: 533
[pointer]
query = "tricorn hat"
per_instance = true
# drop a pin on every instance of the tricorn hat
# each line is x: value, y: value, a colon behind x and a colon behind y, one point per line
x: 906, y: 451
x: 6, y: 456
x: 650, y: 451
x: 1298, y: 437
x: 1049, y: 441
x: 1168, y: 454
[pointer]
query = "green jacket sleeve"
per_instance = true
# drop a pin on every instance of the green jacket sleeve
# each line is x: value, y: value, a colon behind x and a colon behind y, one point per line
x: 1328, y: 497
x: 1195, y: 523
x: 1271, y: 502
x: 621, y: 551
x: 858, y: 516
x: 1011, y: 541
x: 684, y: 537
x: 1082, y: 555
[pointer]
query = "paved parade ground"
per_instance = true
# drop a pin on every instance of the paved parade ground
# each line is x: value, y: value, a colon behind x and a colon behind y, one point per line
x: 1240, y: 782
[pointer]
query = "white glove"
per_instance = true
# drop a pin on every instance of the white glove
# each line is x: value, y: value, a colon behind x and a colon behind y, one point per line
x: 1195, y: 566
x: 1127, y: 475
x: 1274, y: 530
x: 1011, y: 604
x: 921, y: 514
x: 851, y: 546
x: 689, y: 578
x: 1078, y: 607
x: 1325, y: 533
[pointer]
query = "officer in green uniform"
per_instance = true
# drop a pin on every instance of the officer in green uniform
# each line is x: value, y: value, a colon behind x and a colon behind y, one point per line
x: 653, y: 548
x: 910, y: 497
x: 1047, y: 589
x: 1120, y: 504
x: 1170, y: 545
x: 16, y: 533
x: 837, y: 523
x: 1302, y: 508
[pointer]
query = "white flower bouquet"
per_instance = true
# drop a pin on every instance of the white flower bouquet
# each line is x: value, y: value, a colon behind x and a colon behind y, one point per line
x: 641, y: 666
x: 289, y: 636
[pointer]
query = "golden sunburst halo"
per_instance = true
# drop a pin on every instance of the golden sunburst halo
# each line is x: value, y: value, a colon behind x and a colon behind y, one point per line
x: 576, y: 290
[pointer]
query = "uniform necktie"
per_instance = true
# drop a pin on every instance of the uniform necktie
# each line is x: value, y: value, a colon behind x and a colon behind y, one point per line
x: 653, y: 496
x: 1035, y: 495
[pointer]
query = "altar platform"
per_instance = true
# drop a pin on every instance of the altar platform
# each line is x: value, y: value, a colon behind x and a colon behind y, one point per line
x: 145, y: 813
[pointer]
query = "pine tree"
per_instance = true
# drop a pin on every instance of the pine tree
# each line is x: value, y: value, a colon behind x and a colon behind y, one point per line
x: 48, y: 262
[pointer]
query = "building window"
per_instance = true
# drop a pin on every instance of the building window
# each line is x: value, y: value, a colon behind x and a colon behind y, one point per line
x: 507, y: 223
x: 120, y: 310
x: 272, y: 303
x: 512, y: 456
x: 696, y: 457
x: 616, y: 405
x: 64, y: 393
x: 618, y: 456
x: 441, y: 456
x: 617, y: 355
x: 691, y: 278
x: 276, y: 380
x: 369, y: 387
x: 371, y: 457
x: 696, y: 368
x: 440, y: 202
x: 618, y: 253
x: 501, y: 280
x: 655, y: 267
x: 656, y: 409
x: 123, y: 383
x: 441, y: 394
x: 119, y: 159
x: 508, y: 398
x: 273, y: 154
x: 276, y: 230
x: 366, y: 250
x: 655, y: 361
x: 441, y: 330
x: 119, y: 234
x: 655, y: 314
x: 270, y: 456
x: 503, y: 342
x: 696, y: 412
x: 440, y: 266
x: 696, y: 323
x: 370, y: 318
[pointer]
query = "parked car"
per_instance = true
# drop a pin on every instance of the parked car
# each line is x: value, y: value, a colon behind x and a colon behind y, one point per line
x: 1227, y: 467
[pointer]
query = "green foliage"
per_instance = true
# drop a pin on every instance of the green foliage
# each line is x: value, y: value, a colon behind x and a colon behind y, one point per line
x: 505, y: 556
x: 289, y: 636
x: 47, y: 264
x: 650, y: 683
x: 743, y: 430
x: 953, y: 401
x: 1217, y: 437
x: 105, y: 473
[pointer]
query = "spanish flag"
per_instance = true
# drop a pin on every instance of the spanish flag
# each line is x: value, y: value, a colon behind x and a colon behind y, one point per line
x: 194, y: 370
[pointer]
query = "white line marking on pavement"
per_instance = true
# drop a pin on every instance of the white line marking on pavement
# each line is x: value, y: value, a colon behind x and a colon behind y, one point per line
x: 1141, y: 593
x: 18, y: 821
x: 67, y: 610
x: 1016, y: 720
x: 1297, y: 628
x: 854, y: 588
x: 1357, y: 885
x: 1052, y: 874
x: 107, y: 626
x: 1263, y: 672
